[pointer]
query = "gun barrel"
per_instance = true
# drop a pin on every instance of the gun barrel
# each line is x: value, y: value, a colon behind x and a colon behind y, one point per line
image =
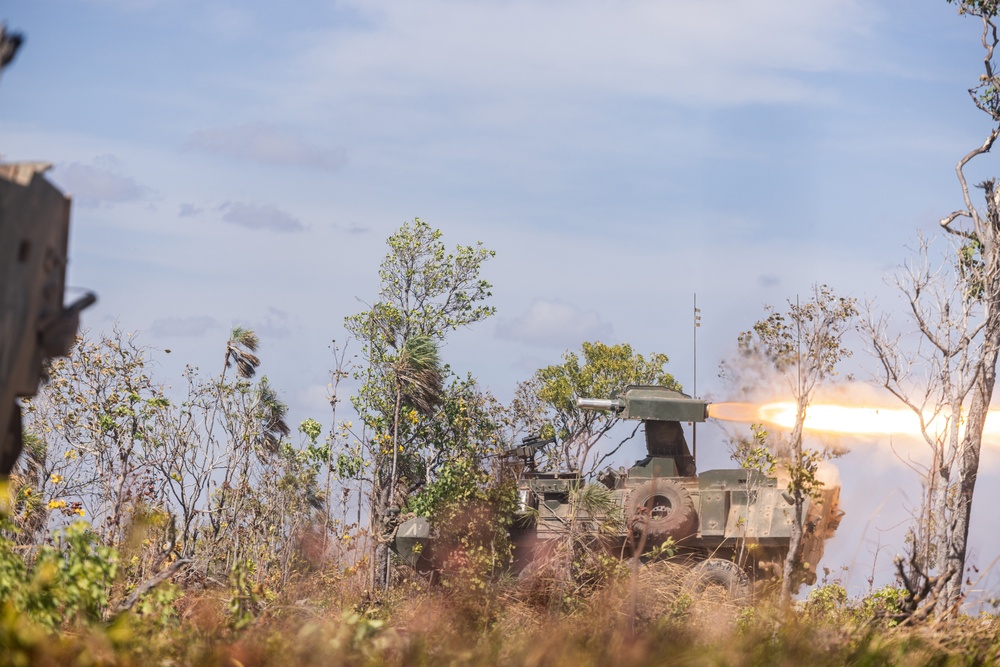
x: 598, y: 404
x: 85, y: 301
x: 650, y: 404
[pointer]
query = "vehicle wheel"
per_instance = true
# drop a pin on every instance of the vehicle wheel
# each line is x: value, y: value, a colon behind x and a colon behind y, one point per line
x: 662, y: 508
x: 724, y: 576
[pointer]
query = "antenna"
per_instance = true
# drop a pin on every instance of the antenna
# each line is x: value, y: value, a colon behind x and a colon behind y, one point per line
x: 694, y: 382
x: 697, y: 324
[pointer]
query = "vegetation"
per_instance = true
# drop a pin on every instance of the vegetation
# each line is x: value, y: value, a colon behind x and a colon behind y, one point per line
x: 947, y: 372
x: 413, y: 425
x: 802, y: 346
x: 147, y: 526
x: 322, y: 620
x: 143, y: 527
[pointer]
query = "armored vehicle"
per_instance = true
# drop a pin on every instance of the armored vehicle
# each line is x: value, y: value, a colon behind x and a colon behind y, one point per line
x: 731, y: 526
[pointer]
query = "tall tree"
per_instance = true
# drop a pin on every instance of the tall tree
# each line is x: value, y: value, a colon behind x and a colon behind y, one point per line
x: 934, y: 371
x: 982, y: 239
x: 963, y: 328
x: 416, y: 372
x: 240, y: 348
x: 803, y: 345
x: 426, y: 292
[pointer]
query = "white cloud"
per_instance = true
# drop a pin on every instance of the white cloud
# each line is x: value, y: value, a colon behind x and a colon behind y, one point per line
x: 555, y: 324
x: 269, y: 144
x: 98, y: 183
x: 260, y: 216
x: 188, y: 211
x: 172, y: 327
x: 275, y: 324
x: 720, y: 54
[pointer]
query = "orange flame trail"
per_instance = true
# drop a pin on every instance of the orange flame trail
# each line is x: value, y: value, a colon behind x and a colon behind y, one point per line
x: 843, y: 419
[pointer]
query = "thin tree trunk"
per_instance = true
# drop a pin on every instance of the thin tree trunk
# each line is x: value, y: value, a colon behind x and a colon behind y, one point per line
x: 392, y: 477
x: 968, y: 472
x: 795, y: 530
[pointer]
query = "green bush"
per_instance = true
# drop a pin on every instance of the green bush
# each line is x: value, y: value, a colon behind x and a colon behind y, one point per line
x: 67, y: 581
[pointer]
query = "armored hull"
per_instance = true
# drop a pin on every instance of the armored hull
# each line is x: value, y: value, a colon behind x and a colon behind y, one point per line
x: 737, y: 515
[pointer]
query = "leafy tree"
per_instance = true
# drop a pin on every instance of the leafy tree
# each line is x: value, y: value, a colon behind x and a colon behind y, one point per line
x: 803, y: 346
x: 95, y: 428
x: 466, y: 495
x: 465, y: 436
x: 547, y: 402
x: 417, y: 376
x: 426, y: 292
x: 240, y: 349
x: 207, y: 479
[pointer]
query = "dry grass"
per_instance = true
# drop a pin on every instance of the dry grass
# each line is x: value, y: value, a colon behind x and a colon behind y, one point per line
x: 646, y: 619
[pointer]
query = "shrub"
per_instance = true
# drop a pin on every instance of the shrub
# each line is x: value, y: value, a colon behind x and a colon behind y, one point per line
x: 68, y: 580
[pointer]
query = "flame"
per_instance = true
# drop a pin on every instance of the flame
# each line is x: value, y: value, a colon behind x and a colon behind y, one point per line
x: 842, y: 419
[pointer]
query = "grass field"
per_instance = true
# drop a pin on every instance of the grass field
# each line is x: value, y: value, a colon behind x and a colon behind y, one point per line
x: 646, y: 618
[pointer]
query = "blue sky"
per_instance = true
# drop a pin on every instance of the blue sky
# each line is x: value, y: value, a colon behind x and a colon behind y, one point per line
x: 244, y: 162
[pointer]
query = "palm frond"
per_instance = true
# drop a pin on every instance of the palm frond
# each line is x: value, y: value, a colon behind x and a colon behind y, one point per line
x: 272, y: 415
x: 240, y: 347
x: 246, y: 363
x: 245, y: 337
x: 418, y: 371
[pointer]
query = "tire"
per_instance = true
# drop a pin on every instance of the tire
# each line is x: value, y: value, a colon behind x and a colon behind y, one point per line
x: 719, y: 574
x: 662, y: 509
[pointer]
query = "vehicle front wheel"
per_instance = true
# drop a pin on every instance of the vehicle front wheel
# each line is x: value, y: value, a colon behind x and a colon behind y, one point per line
x: 717, y: 576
